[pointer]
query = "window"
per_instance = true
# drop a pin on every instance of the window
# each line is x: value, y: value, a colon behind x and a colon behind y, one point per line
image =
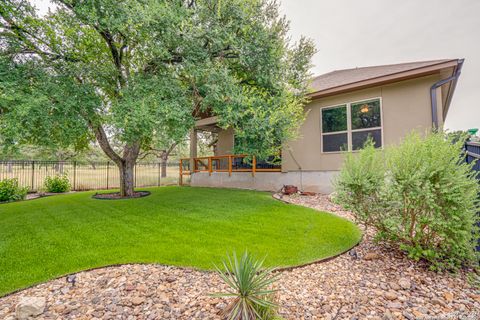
x: 347, y: 126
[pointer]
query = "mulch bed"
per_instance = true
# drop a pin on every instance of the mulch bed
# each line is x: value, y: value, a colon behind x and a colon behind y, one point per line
x: 116, y: 195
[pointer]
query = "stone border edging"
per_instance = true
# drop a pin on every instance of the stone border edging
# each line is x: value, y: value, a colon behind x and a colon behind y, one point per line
x: 140, y: 193
x: 39, y: 196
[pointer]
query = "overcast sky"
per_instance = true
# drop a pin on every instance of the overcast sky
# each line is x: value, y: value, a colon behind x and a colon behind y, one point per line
x: 352, y: 33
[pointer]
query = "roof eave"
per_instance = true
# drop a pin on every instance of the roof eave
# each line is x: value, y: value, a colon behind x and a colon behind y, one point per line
x: 391, y: 78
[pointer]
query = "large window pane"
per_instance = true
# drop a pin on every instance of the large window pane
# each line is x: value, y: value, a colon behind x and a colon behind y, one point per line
x: 335, y: 142
x: 366, y: 114
x: 359, y: 138
x: 334, y: 119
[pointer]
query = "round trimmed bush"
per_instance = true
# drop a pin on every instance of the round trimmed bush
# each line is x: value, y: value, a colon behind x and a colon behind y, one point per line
x: 57, y: 184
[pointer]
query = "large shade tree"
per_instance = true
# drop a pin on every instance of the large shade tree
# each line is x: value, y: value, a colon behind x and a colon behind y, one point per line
x: 124, y: 72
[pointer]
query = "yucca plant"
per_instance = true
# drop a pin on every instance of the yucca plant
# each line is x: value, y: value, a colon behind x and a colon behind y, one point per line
x: 250, y: 286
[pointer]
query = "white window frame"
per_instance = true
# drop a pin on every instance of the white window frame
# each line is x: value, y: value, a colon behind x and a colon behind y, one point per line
x: 349, y: 130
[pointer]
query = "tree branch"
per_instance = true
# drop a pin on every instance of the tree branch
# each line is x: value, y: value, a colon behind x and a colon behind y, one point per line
x: 102, y: 139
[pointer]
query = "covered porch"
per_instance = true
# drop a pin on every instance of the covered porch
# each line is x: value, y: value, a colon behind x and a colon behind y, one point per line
x: 223, y: 161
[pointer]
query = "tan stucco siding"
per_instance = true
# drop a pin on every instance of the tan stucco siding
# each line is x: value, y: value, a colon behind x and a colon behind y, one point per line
x: 225, y: 142
x: 405, y: 107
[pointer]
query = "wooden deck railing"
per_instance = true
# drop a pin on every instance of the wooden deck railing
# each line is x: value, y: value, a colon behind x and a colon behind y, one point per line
x: 226, y: 163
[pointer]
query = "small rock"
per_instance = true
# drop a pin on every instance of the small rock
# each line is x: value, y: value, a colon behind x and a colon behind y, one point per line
x: 390, y: 295
x: 394, y: 305
x: 448, y: 296
x: 171, y: 279
x: 30, y: 307
x: 221, y: 306
x: 394, y: 286
x: 418, y: 314
x: 371, y: 256
x: 137, y: 301
x: 405, y: 284
x: 438, y: 302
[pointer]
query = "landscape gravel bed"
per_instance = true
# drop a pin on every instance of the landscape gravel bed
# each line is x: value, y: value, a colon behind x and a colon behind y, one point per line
x: 369, y: 282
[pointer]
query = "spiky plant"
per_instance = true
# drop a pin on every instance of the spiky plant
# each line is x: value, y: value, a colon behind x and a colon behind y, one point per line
x: 250, y: 286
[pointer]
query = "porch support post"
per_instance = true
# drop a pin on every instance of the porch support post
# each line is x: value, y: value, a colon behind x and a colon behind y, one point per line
x: 193, y: 149
x: 254, y: 166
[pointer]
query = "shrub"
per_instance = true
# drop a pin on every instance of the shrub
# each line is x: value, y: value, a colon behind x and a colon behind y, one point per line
x: 360, y: 183
x: 57, y: 184
x: 11, y: 191
x: 421, y: 196
x: 250, y: 286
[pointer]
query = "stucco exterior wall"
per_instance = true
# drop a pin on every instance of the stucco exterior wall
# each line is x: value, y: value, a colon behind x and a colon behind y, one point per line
x: 405, y: 107
x: 320, y: 182
x: 225, y: 142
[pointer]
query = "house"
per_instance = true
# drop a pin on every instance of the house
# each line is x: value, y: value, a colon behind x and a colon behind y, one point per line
x: 347, y: 106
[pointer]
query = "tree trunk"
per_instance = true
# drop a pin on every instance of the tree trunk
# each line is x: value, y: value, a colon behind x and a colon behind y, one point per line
x: 163, y: 163
x: 125, y: 164
x: 127, y: 182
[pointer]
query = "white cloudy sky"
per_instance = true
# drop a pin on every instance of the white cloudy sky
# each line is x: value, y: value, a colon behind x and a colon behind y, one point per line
x: 352, y: 33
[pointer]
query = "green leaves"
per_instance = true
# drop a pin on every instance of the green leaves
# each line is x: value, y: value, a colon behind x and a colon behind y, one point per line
x: 144, y: 70
x: 421, y: 196
x: 57, y: 184
x: 11, y: 191
x: 250, y: 286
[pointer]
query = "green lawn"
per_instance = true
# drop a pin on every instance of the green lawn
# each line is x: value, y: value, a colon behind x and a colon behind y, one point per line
x: 45, y: 238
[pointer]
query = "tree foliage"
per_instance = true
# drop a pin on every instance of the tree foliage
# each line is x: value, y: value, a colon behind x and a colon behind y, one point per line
x: 133, y: 71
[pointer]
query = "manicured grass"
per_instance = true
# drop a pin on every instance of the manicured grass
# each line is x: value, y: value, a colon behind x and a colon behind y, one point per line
x: 49, y: 237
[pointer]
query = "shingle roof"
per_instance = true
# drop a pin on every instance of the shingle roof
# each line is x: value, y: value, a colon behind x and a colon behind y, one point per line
x: 340, y: 78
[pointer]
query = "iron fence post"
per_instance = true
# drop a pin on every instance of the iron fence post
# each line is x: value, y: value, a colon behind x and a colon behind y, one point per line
x: 108, y: 167
x: 74, y: 175
x: 33, y: 175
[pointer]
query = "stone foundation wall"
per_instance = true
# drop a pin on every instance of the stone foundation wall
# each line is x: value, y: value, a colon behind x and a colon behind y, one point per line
x: 314, y: 181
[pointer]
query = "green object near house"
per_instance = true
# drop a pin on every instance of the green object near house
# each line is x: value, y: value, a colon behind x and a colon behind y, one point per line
x: 473, y: 131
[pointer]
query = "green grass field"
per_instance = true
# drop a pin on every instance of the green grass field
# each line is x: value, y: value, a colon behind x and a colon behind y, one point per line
x: 49, y: 237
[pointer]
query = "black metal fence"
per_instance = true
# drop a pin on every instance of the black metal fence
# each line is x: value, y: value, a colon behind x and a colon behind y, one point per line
x: 473, y: 155
x: 86, y: 175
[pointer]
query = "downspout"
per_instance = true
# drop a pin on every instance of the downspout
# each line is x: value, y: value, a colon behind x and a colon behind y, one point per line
x: 298, y: 165
x: 436, y: 85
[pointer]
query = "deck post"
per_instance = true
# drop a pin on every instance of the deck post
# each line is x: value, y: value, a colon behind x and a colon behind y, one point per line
x: 229, y: 166
x: 180, y: 179
x: 193, y: 149
x: 254, y: 166
x: 209, y: 166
